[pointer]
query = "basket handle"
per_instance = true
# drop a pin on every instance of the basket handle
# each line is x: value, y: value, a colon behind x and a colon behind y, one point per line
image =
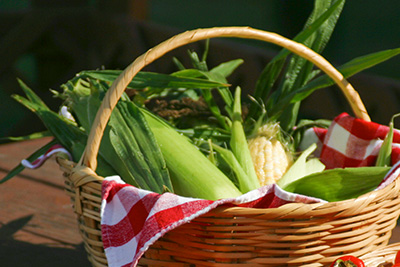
x: 89, y: 157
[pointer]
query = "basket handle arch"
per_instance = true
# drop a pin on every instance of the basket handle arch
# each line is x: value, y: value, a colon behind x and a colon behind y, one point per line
x: 89, y: 156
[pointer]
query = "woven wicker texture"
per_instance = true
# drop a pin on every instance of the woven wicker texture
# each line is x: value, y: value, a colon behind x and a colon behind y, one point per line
x: 291, y: 235
x: 383, y: 256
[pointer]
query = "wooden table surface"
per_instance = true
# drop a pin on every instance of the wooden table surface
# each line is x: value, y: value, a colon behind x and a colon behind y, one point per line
x: 37, y: 224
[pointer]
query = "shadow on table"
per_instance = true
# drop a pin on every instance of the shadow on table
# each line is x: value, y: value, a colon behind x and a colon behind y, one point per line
x: 18, y: 253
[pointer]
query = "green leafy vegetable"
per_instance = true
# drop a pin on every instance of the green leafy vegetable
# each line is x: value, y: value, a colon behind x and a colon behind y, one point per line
x: 32, y: 136
x: 155, y: 80
x: 240, y: 147
x: 137, y: 149
x: 384, y: 156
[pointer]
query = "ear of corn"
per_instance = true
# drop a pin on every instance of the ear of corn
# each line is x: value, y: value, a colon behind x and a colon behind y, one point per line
x: 270, y: 158
x: 192, y: 173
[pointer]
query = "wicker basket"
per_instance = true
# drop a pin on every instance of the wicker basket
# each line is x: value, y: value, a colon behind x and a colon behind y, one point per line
x: 384, y: 256
x: 291, y: 235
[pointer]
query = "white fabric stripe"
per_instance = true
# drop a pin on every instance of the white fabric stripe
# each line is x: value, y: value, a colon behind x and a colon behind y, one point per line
x: 59, y: 150
x: 122, y: 255
x: 114, y: 211
x: 339, y: 143
x: 396, y: 145
x: 167, y: 201
x: 372, y: 148
x: 29, y: 165
x: 280, y: 193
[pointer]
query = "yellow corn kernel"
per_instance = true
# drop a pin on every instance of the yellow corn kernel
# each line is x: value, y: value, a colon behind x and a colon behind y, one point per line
x: 270, y: 158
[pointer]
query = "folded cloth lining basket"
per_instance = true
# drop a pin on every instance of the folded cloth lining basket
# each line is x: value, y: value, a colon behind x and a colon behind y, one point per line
x: 291, y: 235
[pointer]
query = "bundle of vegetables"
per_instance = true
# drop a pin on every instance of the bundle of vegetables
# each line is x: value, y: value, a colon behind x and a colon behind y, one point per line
x: 196, y: 146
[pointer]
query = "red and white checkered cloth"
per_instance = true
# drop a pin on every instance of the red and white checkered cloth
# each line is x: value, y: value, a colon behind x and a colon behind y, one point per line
x: 55, y: 149
x: 132, y: 219
x: 350, y: 142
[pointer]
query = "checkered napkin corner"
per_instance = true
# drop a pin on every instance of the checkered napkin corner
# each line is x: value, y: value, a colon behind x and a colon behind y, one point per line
x: 350, y: 142
x: 132, y: 219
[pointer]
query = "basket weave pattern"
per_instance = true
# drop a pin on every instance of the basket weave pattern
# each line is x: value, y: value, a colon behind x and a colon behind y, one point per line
x: 291, y: 235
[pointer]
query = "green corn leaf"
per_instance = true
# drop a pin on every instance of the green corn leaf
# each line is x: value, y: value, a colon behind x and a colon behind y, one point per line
x: 223, y: 91
x: 189, y: 73
x: 215, y: 110
x: 385, y: 152
x: 348, y: 69
x: 300, y: 70
x: 211, y: 156
x: 144, y: 80
x: 65, y: 131
x: 196, y: 62
x: 178, y: 64
x: 242, y: 179
x: 301, y: 167
x: 27, y: 137
x: 271, y: 72
x: 84, y: 99
x: 215, y: 76
x: 339, y: 184
x: 227, y: 68
x: 206, y: 50
x: 138, y: 149
x: 19, y: 168
x: 240, y: 149
x: 207, y: 95
x: 31, y: 95
x: 104, y: 168
x: 205, y: 132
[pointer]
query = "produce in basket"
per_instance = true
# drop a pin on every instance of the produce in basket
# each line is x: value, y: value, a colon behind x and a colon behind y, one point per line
x: 158, y: 154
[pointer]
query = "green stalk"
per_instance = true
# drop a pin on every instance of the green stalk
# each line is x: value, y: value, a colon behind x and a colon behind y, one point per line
x: 384, y: 156
x: 240, y: 147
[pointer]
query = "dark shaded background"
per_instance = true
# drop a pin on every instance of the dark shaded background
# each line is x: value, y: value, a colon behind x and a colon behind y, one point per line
x: 46, y: 42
